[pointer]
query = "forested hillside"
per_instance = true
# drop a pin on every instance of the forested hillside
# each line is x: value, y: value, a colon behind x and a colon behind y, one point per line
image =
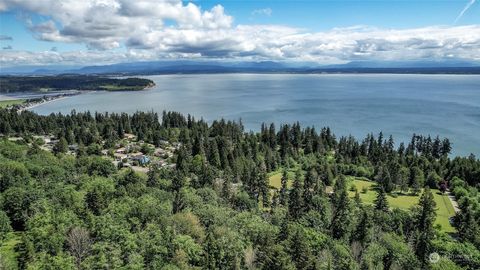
x: 72, y: 208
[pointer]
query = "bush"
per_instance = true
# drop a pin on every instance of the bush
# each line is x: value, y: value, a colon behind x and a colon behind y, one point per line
x: 460, y: 192
x: 433, y: 179
x: 4, y: 224
x: 457, y: 182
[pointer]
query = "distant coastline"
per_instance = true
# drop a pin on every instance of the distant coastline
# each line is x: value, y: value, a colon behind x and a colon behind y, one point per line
x: 258, y: 67
x: 373, y: 72
x: 31, y: 105
x: 27, y: 92
x: 406, y: 71
x: 28, y: 104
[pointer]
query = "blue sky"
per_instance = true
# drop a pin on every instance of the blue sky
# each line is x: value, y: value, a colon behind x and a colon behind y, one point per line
x: 317, y: 15
x: 54, y: 32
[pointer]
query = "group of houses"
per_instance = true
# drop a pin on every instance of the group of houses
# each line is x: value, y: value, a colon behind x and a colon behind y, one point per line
x: 129, y: 152
x: 49, y: 142
x: 131, y: 155
x: 132, y: 158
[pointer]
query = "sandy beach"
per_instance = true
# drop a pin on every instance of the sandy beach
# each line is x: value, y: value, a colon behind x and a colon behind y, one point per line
x: 32, y: 101
x: 31, y: 105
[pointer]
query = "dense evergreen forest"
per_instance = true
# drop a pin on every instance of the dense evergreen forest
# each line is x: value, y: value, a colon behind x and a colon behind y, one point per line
x: 9, y: 84
x: 216, y: 208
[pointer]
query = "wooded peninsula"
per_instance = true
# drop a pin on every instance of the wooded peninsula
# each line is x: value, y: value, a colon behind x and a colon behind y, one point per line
x: 10, y: 84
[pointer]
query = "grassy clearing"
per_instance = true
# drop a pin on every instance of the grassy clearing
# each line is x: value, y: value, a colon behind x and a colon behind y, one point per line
x: 444, y: 206
x: 445, y: 211
x: 111, y: 87
x: 7, y: 103
x: 8, y: 257
x: 276, y: 178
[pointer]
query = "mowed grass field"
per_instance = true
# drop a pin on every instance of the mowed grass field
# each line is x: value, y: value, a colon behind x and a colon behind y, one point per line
x: 6, y: 103
x: 111, y: 87
x: 275, y: 179
x: 444, y: 206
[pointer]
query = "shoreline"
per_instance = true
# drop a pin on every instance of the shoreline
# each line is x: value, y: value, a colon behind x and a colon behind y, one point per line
x: 32, y: 103
x: 36, y: 104
x: 303, y: 73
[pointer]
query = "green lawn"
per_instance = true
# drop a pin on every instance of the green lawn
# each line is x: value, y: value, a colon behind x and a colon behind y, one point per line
x: 111, y: 87
x: 445, y: 211
x: 7, y: 103
x: 276, y: 178
x: 444, y: 206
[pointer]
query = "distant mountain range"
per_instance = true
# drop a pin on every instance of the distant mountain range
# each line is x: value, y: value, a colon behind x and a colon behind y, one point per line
x: 198, y: 67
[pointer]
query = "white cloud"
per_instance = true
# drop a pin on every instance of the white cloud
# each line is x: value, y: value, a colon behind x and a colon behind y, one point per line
x: 166, y: 29
x: 105, y: 24
x: 15, y: 58
x: 262, y: 11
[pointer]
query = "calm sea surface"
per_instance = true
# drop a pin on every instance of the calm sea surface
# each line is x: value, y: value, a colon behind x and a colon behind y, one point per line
x: 445, y: 105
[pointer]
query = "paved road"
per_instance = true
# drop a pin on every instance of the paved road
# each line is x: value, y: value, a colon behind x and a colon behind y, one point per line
x: 454, y: 202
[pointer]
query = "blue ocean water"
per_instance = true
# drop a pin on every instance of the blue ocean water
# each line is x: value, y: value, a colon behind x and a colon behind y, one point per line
x: 351, y: 104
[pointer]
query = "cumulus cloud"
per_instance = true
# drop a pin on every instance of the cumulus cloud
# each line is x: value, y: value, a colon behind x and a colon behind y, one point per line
x: 262, y: 11
x: 276, y: 42
x: 170, y: 29
x: 13, y: 57
x: 270, y: 42
x: 105, y: 24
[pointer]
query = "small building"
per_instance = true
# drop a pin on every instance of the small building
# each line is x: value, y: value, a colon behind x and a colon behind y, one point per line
x: 159, y: 152
x: 129, y: 136
x: 141, y: 159
x: 73, y: 147
x: 160, y: 162
x: 163, y: 142
x: 119, y: 156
